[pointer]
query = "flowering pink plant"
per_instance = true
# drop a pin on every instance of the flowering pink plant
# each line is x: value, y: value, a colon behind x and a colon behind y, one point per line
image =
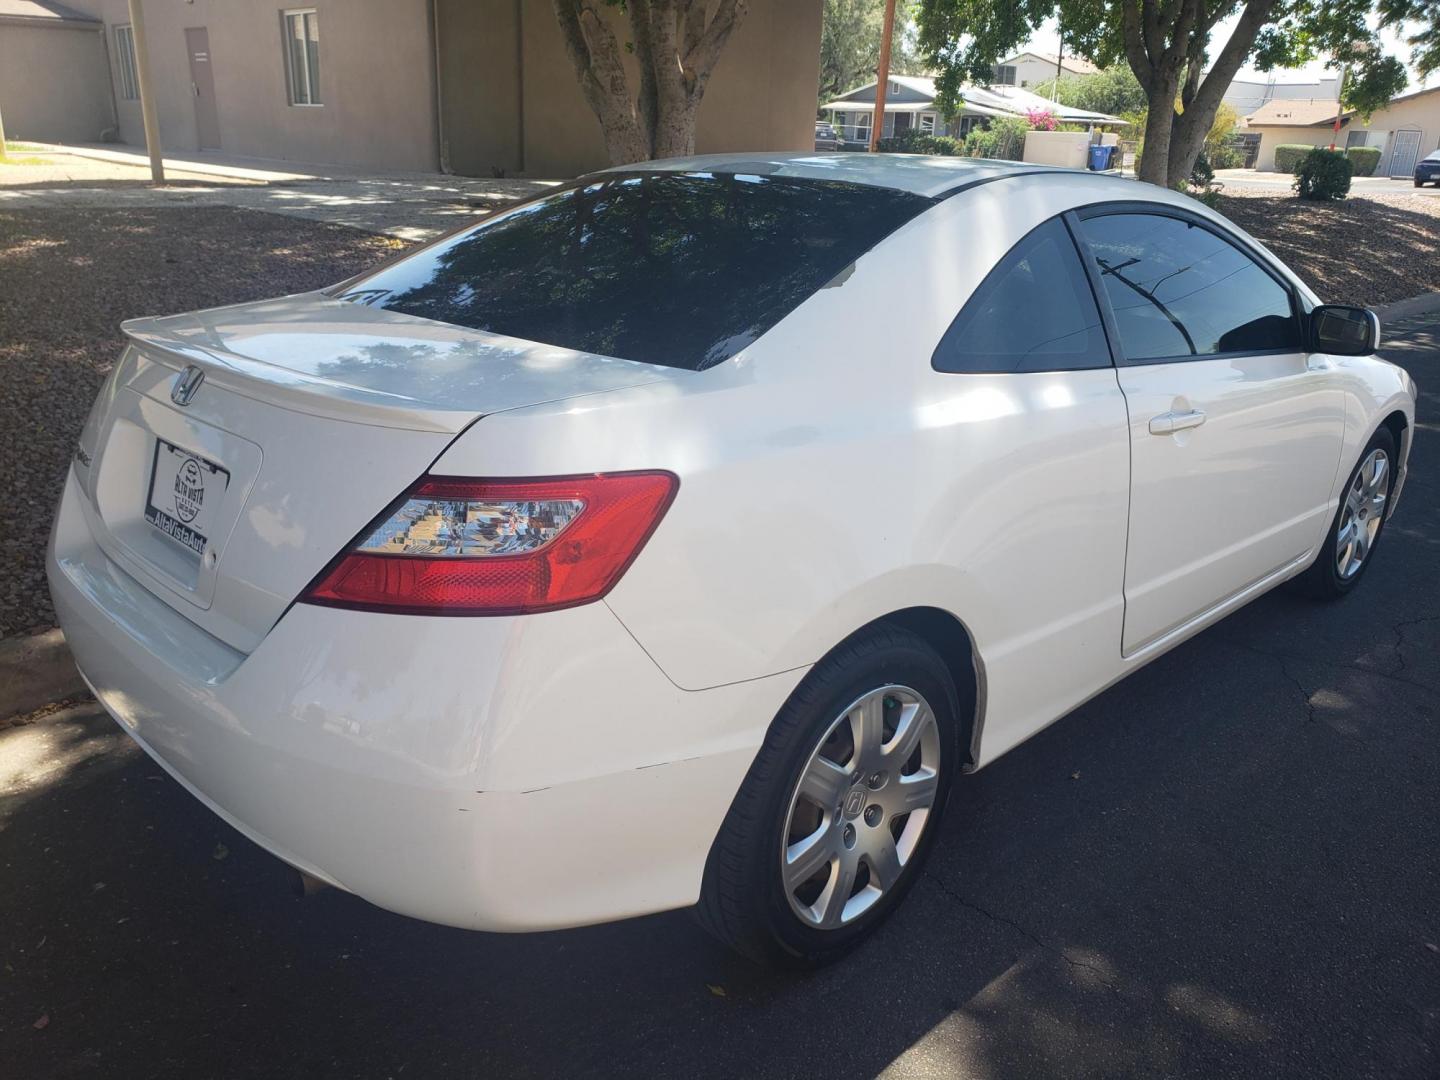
x: 1041, y: 119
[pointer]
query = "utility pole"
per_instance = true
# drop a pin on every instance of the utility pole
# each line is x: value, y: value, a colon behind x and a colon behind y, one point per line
x: 882, y: 76
x: 1059, y: 60
x: 2, y: 136
x: 1339, y: 106
x: 147, y: 100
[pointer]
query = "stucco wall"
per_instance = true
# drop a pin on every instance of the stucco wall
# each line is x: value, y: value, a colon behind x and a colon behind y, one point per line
x: 1271, y: 137
x: 1421, y: 113
x: 53, y: 83
x: 761, y: 96
x: 376, y: 80
x: 510, y: 101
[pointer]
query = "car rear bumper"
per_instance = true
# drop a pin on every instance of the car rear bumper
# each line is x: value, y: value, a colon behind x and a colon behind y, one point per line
x: 492, y: 773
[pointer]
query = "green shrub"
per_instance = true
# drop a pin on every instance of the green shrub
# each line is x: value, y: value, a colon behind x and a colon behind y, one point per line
x: 1363, y: 159
x: 1003, y: 139
x: 914, y: 141
x: 1323, y: 174
x: 1288, y: 155
x: 1225, y: 156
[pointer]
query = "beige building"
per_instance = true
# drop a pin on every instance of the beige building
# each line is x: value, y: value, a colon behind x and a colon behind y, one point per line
x: 1405, y: 130
x: 1037, y: 69
x: 479, y: 87
x: 73, y: 103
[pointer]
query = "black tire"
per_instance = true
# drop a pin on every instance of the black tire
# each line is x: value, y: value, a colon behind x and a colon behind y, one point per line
x: 1323, y: 580
x: 743, y: 900
x: 1419, y: 183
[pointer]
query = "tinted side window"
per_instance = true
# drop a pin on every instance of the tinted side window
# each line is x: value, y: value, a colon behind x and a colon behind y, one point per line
x: 679, y: 269
x: 1180, y: 290
x: 1033, y: 312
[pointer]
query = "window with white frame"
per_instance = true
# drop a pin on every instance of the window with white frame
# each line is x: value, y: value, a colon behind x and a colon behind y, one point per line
x: 1004, y: 75
x: 125, y: 63
x: 927, y: 123
x: 862, y: 126
x: 301, y: 29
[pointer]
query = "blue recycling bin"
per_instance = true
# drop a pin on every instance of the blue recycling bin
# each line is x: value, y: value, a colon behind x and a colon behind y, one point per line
x: 1100, y: 157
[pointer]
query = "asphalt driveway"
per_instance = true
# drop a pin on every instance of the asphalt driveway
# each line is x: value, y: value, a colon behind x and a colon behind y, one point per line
x: 1229, y: 865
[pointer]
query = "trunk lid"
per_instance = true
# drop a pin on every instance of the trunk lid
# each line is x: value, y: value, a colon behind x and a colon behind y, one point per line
x: 313, y: 414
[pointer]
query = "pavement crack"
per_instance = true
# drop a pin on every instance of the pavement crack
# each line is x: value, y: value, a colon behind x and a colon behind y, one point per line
x: 1029, y: 935
x: 1399, y: 631
x: 1320, y: 661
x: 1280, y: 659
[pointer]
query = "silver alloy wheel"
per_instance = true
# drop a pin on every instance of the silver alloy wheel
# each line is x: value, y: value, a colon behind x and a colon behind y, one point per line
x: 860, y: 806
x: 1363, y: 512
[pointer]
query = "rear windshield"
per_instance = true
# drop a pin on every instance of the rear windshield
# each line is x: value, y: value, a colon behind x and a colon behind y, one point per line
x: 679, y: 269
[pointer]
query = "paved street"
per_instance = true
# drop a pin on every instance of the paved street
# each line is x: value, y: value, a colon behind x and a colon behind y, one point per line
x: 1227, y: 866
x: 1279, y: 183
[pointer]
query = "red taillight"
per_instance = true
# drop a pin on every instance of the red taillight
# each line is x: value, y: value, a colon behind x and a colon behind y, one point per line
x: 454, y: 546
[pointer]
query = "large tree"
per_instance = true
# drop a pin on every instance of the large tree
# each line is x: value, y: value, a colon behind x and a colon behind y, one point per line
x: 675, y: 45
x: 850, y: 44
x: 1166, y: 45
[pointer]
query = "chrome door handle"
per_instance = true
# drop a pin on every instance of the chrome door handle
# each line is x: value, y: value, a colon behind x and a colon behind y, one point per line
x: 1171, y: 422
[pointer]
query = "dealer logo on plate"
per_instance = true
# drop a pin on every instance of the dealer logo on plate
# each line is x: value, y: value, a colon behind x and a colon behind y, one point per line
x: 189, y: 490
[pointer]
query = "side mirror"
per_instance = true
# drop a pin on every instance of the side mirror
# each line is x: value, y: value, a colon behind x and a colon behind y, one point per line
x: 1344, y: 331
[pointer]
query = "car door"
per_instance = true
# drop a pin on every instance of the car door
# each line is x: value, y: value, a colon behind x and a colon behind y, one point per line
x: 1234, y: 431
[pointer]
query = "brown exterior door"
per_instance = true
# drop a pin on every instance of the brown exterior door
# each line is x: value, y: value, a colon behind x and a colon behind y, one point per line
x: 202, y: 85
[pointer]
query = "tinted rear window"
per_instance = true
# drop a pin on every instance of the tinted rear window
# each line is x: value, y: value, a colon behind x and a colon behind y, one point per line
x: 680, y: 269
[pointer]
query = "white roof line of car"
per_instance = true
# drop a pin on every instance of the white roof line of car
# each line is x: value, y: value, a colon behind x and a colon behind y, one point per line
x: 915, y: 173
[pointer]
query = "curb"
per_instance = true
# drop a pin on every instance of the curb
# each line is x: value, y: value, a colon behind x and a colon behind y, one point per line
x: 1424, y: 304
x: 36, y: 671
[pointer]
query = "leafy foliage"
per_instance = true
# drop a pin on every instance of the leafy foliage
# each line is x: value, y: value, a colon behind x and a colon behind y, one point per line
x: 1363, y: 159
x: 1114, y: 91
x: 1323, y: 175
x: 1425, y: 42
x: 1004, y: 139
x: 1289, y: 155
x: 850, y: 44
x: 1166, y: 46
x: 1369, y: 86
x: 913, y: 141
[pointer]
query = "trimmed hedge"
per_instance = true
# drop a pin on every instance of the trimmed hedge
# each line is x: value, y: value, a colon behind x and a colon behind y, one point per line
x: 1288, y: 156
x: 914, y: 141
x: 1363, y: 159
x: 1323, y: 174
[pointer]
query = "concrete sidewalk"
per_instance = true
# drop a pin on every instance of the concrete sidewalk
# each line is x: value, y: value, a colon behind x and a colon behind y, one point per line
x: 406, y: 205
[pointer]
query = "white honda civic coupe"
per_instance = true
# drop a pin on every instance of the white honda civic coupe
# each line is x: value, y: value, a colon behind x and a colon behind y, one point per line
x: 680, y: 537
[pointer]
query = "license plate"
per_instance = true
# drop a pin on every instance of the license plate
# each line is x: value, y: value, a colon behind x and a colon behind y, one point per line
x: 185, y: 495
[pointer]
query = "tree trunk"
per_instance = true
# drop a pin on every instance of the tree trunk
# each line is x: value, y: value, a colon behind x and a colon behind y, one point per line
x: 676, y: 47
x: 1187, y: 139
x: 1159, y: 125
x: 1191, y: 126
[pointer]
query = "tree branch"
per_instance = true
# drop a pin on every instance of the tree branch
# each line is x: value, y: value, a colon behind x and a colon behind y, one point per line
x: 1134, y: 38
x: 701, y: 59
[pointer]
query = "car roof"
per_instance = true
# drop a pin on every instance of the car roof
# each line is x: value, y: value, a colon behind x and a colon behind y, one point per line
x: 915, y: 173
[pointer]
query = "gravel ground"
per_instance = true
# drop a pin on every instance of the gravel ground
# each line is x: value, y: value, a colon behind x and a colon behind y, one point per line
x: 1373, y: 250
x: 67, y: 279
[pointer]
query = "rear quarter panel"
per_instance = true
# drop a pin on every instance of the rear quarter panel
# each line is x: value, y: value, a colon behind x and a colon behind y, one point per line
x: 829, y: 477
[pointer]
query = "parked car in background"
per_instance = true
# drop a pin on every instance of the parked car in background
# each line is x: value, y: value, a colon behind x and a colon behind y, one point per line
x: 1427, y: 169
x: 528, y: 582
x: 826, y: 137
